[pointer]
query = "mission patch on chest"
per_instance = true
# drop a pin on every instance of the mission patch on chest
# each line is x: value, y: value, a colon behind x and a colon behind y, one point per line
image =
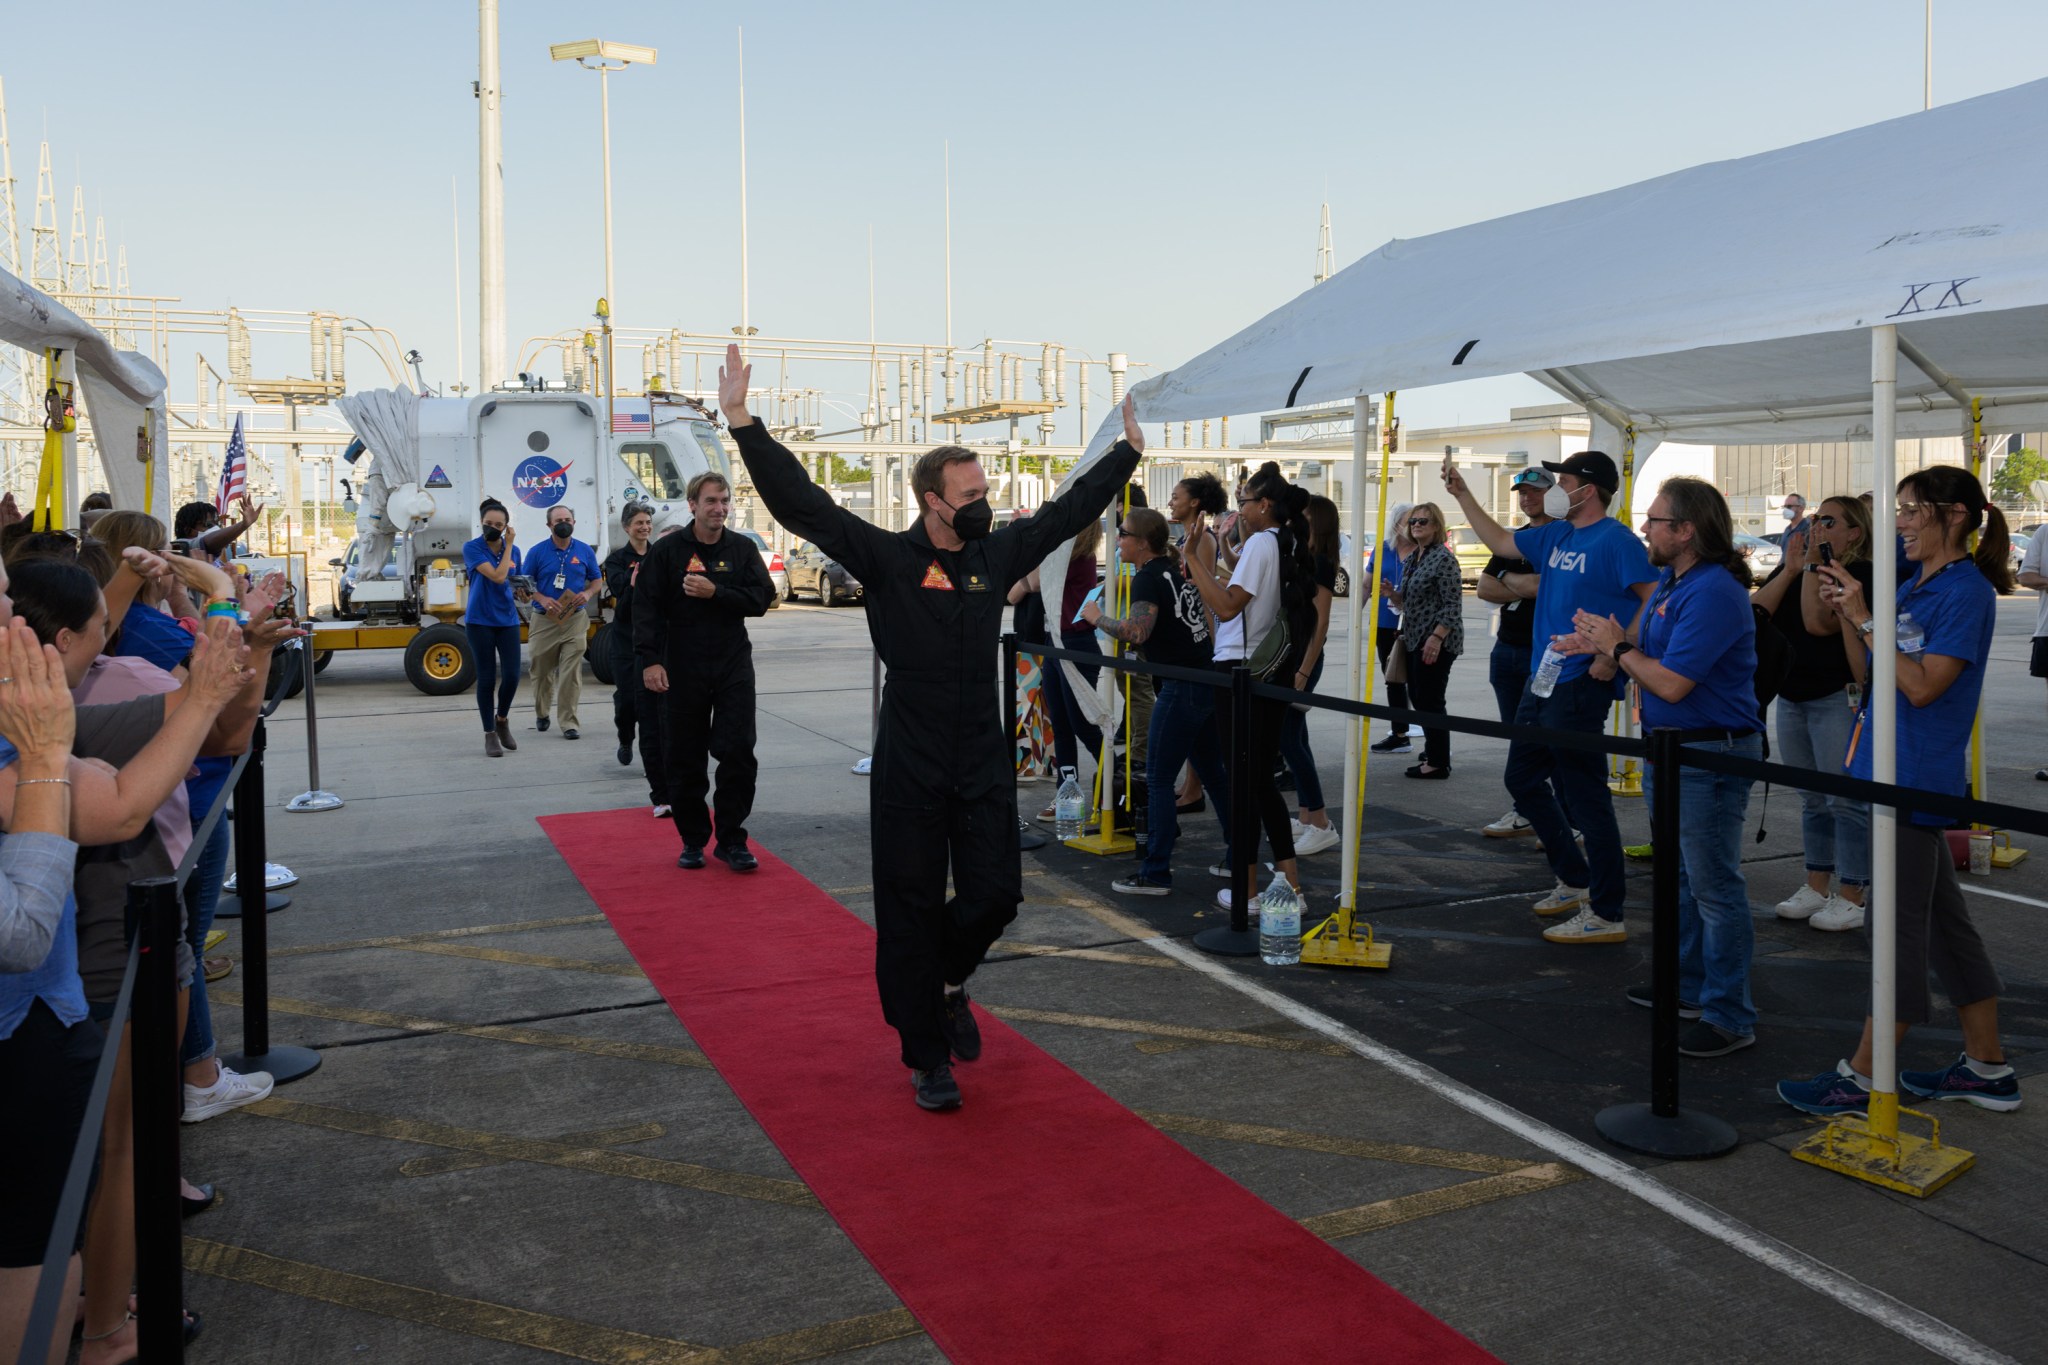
x: 935, y: 577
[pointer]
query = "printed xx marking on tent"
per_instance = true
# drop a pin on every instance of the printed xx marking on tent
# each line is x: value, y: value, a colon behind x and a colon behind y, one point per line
x: 1951, y: 298
x: 935, y: 577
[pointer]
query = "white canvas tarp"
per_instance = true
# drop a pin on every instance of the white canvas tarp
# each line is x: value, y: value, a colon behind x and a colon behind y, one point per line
x: 388, y: 420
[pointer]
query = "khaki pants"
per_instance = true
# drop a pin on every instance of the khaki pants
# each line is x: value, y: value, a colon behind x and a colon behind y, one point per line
x: 557, y: 663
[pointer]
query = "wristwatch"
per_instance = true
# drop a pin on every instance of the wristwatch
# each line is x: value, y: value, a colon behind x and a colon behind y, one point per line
x: 1621, y: 647
x: 1867, y: 626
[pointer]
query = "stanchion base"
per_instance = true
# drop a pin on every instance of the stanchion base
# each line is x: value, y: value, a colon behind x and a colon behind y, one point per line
x: 1327, y: 945
x: 1028, y: 839
x: 863, y: 767
x: 1908, y: 1164
x: 276, y: 877
x: 1688, y: 1135
x: 1225, y: 941
x: 1104, y: 845
x: 306, y: 802
x: 231, y: 907
x: 285, y: 1064
x: 2008, y: 856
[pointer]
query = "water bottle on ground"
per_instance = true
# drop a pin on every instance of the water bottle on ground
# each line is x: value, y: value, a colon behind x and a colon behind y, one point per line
x: 1544, y: 681
x: 1066, y: 806
x: 1912, y: 637
x: 1280, y: 924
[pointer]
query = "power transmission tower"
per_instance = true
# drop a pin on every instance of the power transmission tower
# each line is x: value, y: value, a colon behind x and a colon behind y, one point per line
x: 46, y: 262
x: 1326, y: 258
x: 17, y: 394
x: 78, y: 256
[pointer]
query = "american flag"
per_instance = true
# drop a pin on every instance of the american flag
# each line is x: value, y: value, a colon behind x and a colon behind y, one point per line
x: 234, y: 472
x: 633, y: 420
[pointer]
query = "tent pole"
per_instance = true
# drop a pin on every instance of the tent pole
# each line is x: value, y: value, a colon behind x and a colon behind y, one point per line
x: 1973, y: 445
x: 1884, y: 720
x: 1364, y: 610
x: 1627, y: 779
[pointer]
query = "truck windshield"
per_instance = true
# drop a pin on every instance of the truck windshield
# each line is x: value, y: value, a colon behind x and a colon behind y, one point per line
x: 713, y: 448
x: 653, y: 467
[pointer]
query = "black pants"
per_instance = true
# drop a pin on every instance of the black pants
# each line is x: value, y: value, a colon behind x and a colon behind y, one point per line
x: 1397, y: 693
x: 925, y: 942
x: 1267, y: 718
x: 711, y: 719
x: 54, y: 1064
x: 635, y: 708
x: 1427, y: 686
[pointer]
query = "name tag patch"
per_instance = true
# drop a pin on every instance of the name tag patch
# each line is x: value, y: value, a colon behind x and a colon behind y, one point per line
x: 935, y: 577
x: 976, y: 583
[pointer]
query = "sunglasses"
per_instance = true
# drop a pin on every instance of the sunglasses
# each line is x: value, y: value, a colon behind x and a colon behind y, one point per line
x: 1827, y: 523
x: 1916, y: 509
x: 1420, y: 521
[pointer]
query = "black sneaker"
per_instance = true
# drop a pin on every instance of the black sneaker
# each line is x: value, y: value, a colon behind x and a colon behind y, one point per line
x: 691, y: 858
x: 541, y: 724
x: 626, y: 754
x: 1644, y: 996
x: 963, y: 1035
x: 570, y: 733
x: 1711, y: 1040
x: 1393, y: 744
x: 738, y: 858
x: 1138, y: 884
x: 936, y: 1089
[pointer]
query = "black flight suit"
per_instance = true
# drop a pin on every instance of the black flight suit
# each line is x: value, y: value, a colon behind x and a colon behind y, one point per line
x: 702, y: 641
x: 633, y: 706
x: 944, y: 790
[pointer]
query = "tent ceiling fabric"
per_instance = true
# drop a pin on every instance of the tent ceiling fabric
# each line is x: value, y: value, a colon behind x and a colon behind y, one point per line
x: 1739, y: 291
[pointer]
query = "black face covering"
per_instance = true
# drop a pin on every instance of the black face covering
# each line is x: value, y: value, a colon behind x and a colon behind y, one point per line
x: 493, y: 533
x: 974, y: 520
x: 564, y: 529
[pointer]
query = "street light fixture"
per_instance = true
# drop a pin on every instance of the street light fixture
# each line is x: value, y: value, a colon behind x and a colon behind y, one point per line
x: 604, y: 57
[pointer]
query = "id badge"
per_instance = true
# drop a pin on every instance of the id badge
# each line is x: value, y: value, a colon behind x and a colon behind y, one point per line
x: 561, y: 582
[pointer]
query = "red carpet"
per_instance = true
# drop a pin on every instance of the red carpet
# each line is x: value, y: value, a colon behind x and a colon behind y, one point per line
x: 1043, y: 1221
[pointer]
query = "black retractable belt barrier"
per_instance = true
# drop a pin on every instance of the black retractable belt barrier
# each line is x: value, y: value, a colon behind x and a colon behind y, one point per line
x: 1661, y: 1128
x: 158, y: 1091
x: 1027, y: 838
x: 283, y: 1063
x: 1238, y: 938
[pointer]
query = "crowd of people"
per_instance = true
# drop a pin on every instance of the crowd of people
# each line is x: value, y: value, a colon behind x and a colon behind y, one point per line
x: 132, y: 673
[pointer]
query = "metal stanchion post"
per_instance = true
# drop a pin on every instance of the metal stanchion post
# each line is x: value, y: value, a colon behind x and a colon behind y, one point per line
x: 158, y: 1097
x: 1238, y: 938
x: 313, y: 798
x: 232, y: 905
x: 1027, y: 836
x: 283, y: 1063
x: 1661, y: 1128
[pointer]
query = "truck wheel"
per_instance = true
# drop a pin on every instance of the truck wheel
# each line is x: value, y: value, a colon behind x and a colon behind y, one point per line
x: 598, y: 654
x: 322, y: 659
x: 284, y: 664
x: 438, y: 661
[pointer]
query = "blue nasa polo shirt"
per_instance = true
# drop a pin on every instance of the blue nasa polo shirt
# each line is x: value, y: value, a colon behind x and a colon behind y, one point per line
x: 1958, y: 608
x: 1585, y: 568
x: 558, y: 569
x: 1700, y: 626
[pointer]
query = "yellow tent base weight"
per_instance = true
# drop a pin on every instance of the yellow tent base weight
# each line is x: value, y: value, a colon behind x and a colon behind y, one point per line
x: 1327, y: 945
x: 2008, y: 856
x: 1908, y: 1164
x: 1104, y: 845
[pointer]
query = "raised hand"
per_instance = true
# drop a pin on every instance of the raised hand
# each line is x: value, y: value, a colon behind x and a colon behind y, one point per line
x: 732, y: 387
x: 220, y: 663
x: 1454, y: 482
x: 35, y: 697
x: 9, y: 513
x: 151, y: 568
x: 1132, y: 433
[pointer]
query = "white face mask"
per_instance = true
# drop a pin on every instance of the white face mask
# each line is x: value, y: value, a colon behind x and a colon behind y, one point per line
x: 1557, y: 504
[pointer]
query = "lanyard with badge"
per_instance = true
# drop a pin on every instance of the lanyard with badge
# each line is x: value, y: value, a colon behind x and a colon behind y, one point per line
x: 563, y: 559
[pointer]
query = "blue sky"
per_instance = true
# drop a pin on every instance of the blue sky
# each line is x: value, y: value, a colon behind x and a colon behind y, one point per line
x: 1136, y: 177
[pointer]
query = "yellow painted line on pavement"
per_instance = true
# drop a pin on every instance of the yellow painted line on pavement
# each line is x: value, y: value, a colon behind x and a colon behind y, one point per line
x: 1466, y: 1194
x: 815, y: 1343
x: 560, y: 964
x: 497, y: 1033
x: 1007, y: 945
x: 1149, y: 1028
x: 539, y: 1151
x: 471, y: 931
x: 1405, y: 1153
x: 470, y: 1161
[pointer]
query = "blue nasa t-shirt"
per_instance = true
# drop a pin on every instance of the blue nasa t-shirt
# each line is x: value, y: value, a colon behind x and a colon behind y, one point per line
x: 1958, y: 608
x: 1585, y: 568
x: 1700, y: 626
x: 490, y: 604
x: 574, y: 565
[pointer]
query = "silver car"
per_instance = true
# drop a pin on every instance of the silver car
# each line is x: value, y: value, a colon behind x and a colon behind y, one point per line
x: 1763, y: 556
x: 778, y: 573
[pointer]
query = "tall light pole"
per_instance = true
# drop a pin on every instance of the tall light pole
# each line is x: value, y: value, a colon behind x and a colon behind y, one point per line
x: 490, y: 207
x: 604, y: 57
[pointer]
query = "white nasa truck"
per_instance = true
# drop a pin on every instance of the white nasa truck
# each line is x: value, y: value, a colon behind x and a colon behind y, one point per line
x: 402, y: 584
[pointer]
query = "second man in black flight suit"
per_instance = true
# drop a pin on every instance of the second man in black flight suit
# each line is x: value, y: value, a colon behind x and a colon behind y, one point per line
x: 696, y: 590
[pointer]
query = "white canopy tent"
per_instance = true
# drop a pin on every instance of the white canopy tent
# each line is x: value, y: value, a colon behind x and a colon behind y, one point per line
x: 1858, y: 287
x: 123, y: 392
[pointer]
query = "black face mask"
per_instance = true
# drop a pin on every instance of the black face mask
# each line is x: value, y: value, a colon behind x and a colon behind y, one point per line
x: 564, y: 529
x: 974, y: 520
x: 493, y: 533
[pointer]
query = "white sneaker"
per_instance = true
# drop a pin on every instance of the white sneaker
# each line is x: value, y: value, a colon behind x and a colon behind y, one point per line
x: 1561, y: 899
x: 1837, y: 915
x: 1587, y: 927
x: 661, y: 812
x: 1220, y: 870
x: 230, y: 1090
x: 1314, y: 839
x: 1802, y: 904
x: 1509, y: 826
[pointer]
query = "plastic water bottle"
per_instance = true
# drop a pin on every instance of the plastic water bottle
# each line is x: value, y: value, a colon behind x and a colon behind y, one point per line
x: 1280, y: 924
x: 1066, y: 806
x: 1912, y: 639
x: 1544, y: 682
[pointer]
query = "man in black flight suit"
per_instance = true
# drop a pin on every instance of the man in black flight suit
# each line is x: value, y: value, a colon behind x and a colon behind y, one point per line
x: 697, y: 587
x: 944, y: 782
x: 633, y: 706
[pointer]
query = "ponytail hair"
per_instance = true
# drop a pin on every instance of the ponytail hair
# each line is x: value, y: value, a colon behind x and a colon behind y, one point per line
x: 1290, y: 515
x: 1948, y: 485
x: 1205, y: 490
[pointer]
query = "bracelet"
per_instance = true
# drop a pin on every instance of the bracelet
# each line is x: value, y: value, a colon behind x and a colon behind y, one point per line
x: 32, y: 781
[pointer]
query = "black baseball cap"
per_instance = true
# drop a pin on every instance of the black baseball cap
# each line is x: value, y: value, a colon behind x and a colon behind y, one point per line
x: 1592, y: 466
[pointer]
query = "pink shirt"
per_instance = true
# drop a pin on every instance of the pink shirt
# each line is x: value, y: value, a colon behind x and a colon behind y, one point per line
x: 115, y: 678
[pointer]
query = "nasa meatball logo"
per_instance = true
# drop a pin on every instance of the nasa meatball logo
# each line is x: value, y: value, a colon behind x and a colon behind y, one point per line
x: 538, y: 481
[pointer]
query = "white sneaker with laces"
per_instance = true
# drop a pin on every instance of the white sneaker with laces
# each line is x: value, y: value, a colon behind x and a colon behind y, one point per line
x: 1223, y: 902
x: 1561, y: 899
x: 1220, y: 870
x: 1837, y: 916
x: 1314, y: 839
x: 1509, y: 826
x: 1587, y: 927
x: 1803, y: 903
x: 661, y: 812
x: 230, y: 1090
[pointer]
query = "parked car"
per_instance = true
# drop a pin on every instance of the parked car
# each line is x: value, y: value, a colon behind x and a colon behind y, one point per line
x: 1761, y: 554
x: 2020, y: 543
x: 812, y: 570
x: 777, y: 573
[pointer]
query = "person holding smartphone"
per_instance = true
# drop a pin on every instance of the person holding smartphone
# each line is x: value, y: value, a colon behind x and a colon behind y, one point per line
x: 492, y: 621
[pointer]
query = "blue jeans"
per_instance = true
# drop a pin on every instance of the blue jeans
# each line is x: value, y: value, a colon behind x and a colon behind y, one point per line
x: 496, y: 649
x: 1183, y: 731
x: 1836, y: 830
x: 202, y: 898
x: 1294, y: 750
x: 1071, y: 730
x: 1508, y: 670
x: 1715, y: 932
x: 1557, y: 790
